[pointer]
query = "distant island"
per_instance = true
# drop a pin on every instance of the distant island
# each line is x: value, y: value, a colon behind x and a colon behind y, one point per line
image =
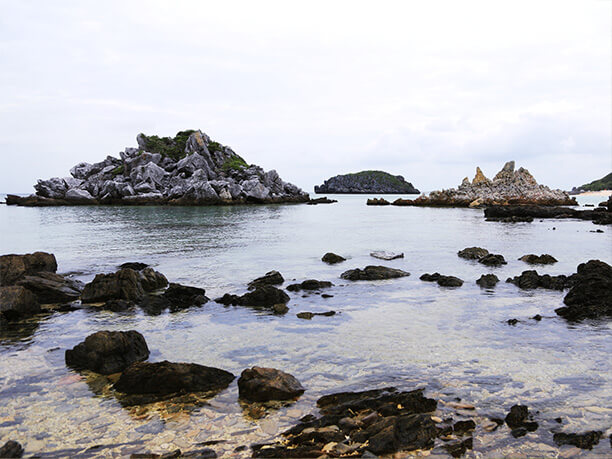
x: 187, y: 169
x: 508, y: 187
x: 604, y: 183
x: 367, y: 182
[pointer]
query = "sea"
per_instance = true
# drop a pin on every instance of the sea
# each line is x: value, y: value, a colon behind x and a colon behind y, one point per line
x: 454, y: 342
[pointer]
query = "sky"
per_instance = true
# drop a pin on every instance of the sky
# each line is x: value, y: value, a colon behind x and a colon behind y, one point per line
x: 425, y: 89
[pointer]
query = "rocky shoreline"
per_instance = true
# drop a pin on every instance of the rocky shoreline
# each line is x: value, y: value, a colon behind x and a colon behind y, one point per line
x: 357, y: 424
x: 187, y: 170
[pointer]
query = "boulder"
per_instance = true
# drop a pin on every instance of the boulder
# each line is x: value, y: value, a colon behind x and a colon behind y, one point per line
x: 488, y: 280
x: 15, y: 267
x: 78, y: 195
x: 270, y: 278
x: 163, y: 378
x: 543, y: 259
x: 152, y: 280
x: 124, y: 284
x: 472, y: 253
x: 382, y: 255
x: 108, y: 352
x: 584, y: 440
x: 135, y: 265
x: 310, y: 284
x: 520, y: 418
x: 591, y: 294
x: 52, y: 288
x: 373, y: 273
x: 531, y: 280
x: 259, y: 384
x: 181, y: 296
x: 11, y: 449
x: 263, y: 296
x: 17, y: 301
x: 492, y: 260
x: 331, y: 258
x: 443, y: 281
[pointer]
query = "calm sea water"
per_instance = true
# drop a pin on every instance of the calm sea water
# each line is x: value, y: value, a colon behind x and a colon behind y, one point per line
x: 402, y: 332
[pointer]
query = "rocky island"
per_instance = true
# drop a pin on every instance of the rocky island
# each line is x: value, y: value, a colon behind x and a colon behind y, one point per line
x: 189, y: 169
x: 367, y: 182
x: 508, y: 187
x: 604, y: 183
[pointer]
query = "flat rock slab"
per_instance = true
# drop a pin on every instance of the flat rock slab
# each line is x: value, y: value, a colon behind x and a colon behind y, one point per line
x: 259, y: 384
x: 386, y: 255
x: 108, y: 352
x: 310, y: 284
x: 373, y: 273
x: 162, y: 378
x: 52, y: 288
x: 270, y: 278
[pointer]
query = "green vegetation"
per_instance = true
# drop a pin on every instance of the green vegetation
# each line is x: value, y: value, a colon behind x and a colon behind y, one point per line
x: 168, y: 146
x: 235, y: 163
x: 213, y: 146
x: 380, y: 177
x: 604, y: 183
x: 118, y: 170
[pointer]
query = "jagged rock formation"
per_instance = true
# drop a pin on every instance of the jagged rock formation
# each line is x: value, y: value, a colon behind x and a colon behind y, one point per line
x: 189, y: 169
x: 508, y: 187
x: 367, y: 182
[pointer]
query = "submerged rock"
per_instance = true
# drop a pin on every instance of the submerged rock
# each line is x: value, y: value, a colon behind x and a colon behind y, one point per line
x: 382, y: 255
x: 162, y: 378
x: 189, y: 169
x: 270, y: 278
x: 373, y: 273
x: 124, y: 284
x: 584, y: 440
x: 310, y: 315
x: 366, y: 182
x: 472, y: 253
x: 135, y: 265
x: 488, y: 280
x: 17, y: 301
x: 331, y: 258
x: 259, y: 384
x: 108, y: 352
x: 443, y: 281
x: 591, y: 294
x: 11, y: 449
x: 310, y: 284
x: 520, y: 418
x: 16, y: 267
x: 543, y: 259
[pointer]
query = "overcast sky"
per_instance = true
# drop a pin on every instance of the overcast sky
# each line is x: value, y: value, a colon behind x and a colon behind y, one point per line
x: 426, y: 89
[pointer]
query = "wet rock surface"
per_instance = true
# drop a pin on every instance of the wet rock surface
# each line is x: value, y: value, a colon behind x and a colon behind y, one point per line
x: 16, y: 301
x: 162, y: 378
x: 124, y: 284
x: 584, y: 440
x: 16, y: 267
x: 270, y: 278
x: 52, y: 288
x: 259, y: 384
x: 11, y: 449
x: 182, y: 296
x: 332, y: 258
x: 543, y: 259
x: 263, y: 296
x: 152, y: 280
x: 108, y: 352
x: 531, y: 280
x: 488, y: 280
x: 472, y: 253
x: 492, y: 260
x: 310, y: 284
x: 373, y: 273
x: 520, y: 421
x: 309, y: 315
x: 442, y: 280
x: 314, y: 202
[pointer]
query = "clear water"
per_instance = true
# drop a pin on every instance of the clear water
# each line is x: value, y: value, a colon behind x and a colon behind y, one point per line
x: 402, y: 332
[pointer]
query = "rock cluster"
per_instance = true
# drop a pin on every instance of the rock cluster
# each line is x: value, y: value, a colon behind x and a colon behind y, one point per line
x: 600, y: 216
x: 508, y: 187
x: 443, y: 281
x: 365, y: 182
x: 189, y: 169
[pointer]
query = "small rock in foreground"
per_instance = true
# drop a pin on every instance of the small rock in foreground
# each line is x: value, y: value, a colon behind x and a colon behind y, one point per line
x: 332, y: 258
x: 259, y: 384
x: 488, y: 280
x: 11, y: 449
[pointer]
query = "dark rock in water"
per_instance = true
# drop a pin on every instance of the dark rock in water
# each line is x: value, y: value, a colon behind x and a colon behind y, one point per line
x: 503, y: 213
x: 259, y: 384
x: 543, y: 259
x: 443, y: 281
x: 488, y: 280
x: 15, y: 267
x: 280, y: 309
x: 326, y: 295
x: 367, y: 182
x: 537, y: 317
x: 270, y: 278
x: 492, y: 260
x: 531, y: 279
x: 332, y: 258
x: 519, y: 418
x: 462, y: 427
x: 473, y: 253
x: 310, y: 315
x: 512, y: 321
x: 407, y: 432
x: 228, y: 300
x: 314, y: 202
x: 519, y: 432
x: 162, y: 378
x: 377, y: 202
x: 125, y: 284
x: 584, y: 440
x: 458, y: 449
x: 11, y: 449
x: 591, y: 294
x: 310, y: 284
x: 108, y: 352
x: 154, y: 304
x: 117, y: 305
x: 263, y: 296
x: 373, y: 273
x: 17, y: 301
x: 182, y: 296
x: 52, y: 288
x: 135, y: 265
x: 152, y: 280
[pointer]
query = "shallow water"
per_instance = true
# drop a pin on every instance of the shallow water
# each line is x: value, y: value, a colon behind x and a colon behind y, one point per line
x: 401, y: 332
